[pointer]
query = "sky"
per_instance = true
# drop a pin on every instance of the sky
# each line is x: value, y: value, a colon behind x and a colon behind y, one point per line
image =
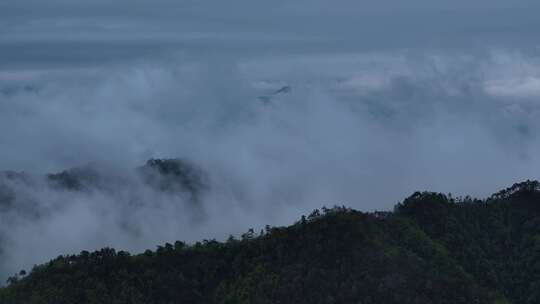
x: 382, y: 99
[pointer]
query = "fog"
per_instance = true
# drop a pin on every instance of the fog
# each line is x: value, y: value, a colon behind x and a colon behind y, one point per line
x: 285, y: 107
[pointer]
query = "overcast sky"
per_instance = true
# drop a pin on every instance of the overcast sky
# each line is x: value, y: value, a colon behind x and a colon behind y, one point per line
x: 73, y: 33
x: 381, y: 99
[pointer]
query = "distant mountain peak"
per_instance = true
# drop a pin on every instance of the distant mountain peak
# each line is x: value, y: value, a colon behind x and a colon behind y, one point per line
x: 266, y: 99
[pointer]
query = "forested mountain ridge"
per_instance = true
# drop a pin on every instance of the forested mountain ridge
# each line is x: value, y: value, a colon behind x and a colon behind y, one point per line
x: 21, y: 193
x: 432, y: 249
x: 497, y: 240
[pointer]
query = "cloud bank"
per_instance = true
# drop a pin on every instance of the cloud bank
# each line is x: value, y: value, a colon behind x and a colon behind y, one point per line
x: 381, y: 101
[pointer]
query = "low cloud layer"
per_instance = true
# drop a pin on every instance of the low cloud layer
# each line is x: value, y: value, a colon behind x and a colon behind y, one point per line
x: 282, y: 117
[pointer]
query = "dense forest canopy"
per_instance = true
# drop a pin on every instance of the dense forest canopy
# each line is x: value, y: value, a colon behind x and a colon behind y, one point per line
x: 433, y: 248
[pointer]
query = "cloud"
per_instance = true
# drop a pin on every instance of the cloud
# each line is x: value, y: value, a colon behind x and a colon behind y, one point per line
x: 524, y: 88
x: 383, y: 101
x: 351, y: 127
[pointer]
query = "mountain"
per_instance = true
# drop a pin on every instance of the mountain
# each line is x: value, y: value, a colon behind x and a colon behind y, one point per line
x: 496, y: 240
x: 433, y: 248
x: 339, y: 256
x: 172, y: 176
x: 268, y: 98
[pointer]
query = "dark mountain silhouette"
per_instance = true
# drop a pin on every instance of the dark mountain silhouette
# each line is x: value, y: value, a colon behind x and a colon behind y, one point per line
x: 174, y: 175
x: 266, y: 99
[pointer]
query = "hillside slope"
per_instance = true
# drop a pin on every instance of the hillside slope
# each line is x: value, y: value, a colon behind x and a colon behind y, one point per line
x: 432, y: 249
x: 341, y: 256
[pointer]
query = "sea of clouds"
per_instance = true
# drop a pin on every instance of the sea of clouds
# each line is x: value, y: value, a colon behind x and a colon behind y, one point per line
x: 285, y: 107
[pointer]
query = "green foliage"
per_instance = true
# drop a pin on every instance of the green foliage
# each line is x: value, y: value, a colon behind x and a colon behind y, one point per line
x: 496, y: 240
x: 334, y: 256
x: 432, y: 249
x: 173, y: 175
